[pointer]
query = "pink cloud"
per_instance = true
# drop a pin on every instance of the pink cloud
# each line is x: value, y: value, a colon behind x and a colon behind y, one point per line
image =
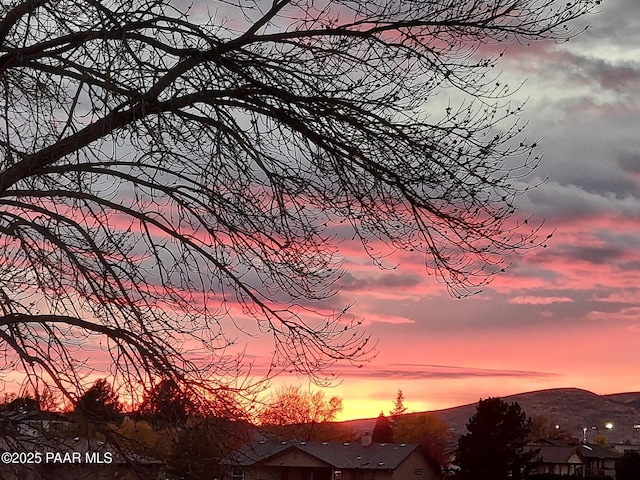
x: 531, y: 300
x: 370, y: 318
x: 625, y: 315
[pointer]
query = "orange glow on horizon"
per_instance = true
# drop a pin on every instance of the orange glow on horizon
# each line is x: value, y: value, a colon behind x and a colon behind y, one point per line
x: 359, y: 408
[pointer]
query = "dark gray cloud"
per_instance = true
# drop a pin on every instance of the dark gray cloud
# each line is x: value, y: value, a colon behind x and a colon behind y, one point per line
x: 408, y: 371
x: 588, y: 254
x: 620, y: 76
x: 392, y: 281
x: 589, y: 159
x: 630, y: 266
x: 585, y: 108
x: 554, y: 201
x: 617, y: 23
x: 629, y: 161
x: 551, y: 308
x: 601, y: 180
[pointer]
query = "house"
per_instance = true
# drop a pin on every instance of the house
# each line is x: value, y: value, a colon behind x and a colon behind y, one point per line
x: 364, y: 460
x: 29, y: 458
x: 600, y: 461
x: 563, y: 457
x: 559, y: 460
x: 622, y: 448
x: 32, y: 423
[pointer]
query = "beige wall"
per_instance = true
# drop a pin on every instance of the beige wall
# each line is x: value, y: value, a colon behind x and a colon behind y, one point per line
x: 366, y: 475
x: 294, y: 458
x: 261, y: 474
x: 415, y: 461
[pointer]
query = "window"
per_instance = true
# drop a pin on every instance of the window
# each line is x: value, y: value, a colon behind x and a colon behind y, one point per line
x: 337, y: 475
x: 237, y: 474
x: 418, y: 472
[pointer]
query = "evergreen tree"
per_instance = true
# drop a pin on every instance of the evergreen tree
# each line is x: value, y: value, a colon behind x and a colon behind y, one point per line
x: 23, y: 404
x: 398, y: 408
x: 628, y: 466
x: 382, y: 431
x: 100, y: 403
x: 167, y: 404
x: 494, y: 447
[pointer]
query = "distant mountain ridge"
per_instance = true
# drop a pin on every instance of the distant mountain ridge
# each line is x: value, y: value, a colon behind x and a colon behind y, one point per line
x: 570, y: 408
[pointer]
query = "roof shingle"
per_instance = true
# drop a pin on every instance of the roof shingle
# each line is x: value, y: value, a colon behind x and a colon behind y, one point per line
x: 377, y: 456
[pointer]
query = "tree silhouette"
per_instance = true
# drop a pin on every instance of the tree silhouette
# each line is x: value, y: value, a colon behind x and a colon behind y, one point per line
x: 306, y: 413
x: 166, y: 175
x: 398, y: 408
x: 628, y: 466
x: 167, y: 404
x: 99, y: 404
x: 427, y: 429
x: 202, y: 445
x: 22, y: 404
x: 542, y: 427
x: 493, y: 448
x: 382, y: 430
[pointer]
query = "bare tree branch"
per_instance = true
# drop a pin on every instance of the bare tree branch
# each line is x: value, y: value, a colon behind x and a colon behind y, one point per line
x: 171, y: 183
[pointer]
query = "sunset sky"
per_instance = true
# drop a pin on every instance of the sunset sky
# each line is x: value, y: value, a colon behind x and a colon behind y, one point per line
x: 564, y: 316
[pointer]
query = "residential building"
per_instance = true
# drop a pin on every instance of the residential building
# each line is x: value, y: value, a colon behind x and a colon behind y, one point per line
x: 364, y: 460
x: 562, y: 457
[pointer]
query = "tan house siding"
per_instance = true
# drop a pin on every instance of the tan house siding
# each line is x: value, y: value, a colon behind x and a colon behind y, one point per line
x: 367, y: 475
x: 294, y: 458
x: 261, y: 474
x: 415, y: 464
x: 291, y: 465
x: 288, y: 473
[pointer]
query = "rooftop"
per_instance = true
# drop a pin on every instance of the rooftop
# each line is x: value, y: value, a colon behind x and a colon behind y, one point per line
x: 348, y: 455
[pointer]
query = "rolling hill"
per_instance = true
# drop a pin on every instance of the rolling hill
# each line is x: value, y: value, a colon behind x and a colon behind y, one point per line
x: 570, y: 408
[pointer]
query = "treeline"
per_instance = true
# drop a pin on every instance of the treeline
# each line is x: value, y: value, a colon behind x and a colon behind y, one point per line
x: 190, y: 434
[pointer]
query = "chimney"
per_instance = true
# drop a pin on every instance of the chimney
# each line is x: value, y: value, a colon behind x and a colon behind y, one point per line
x: 366, y: 439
